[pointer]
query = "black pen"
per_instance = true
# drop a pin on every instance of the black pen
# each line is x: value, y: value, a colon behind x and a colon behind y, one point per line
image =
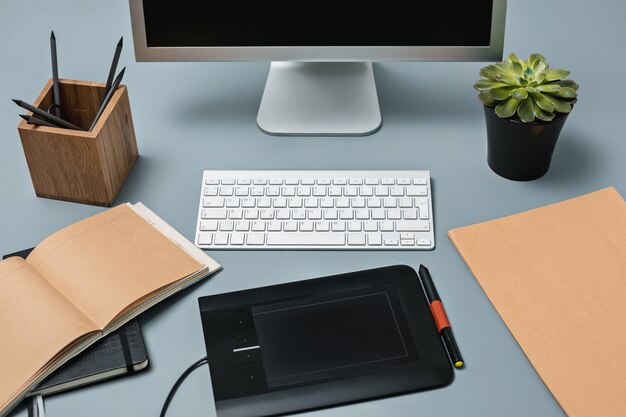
x: 46, y: 115
x: 55, y: 76
x: 441, y: 319
x: 116, y: 58
x: 107, y: 98
x: 37, y: 121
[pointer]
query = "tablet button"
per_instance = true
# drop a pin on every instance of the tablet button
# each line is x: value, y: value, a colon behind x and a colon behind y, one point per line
x: 247, y: 340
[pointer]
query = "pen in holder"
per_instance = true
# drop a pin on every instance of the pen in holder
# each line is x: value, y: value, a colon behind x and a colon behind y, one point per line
x: 81, y: 165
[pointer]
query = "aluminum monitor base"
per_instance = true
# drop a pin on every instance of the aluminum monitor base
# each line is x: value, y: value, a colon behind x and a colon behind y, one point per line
x: 320, y: 99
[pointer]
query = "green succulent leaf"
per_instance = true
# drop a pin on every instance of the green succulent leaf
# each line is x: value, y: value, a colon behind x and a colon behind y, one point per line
x: 560, y: 106
x: 501, y: 93
x: 482, y: 85
x: 555, y: 74
x: 529, y: 74
x: 513, y: 59
x: 567, y: 83
x: 543, y: 102
x: 534, y: 58
x: 519, y: 93
x: 526, y: 111
x: 549, y: 88
x: 498, y: 72
x: 566, y: 92
x: 507, y: 108
x: 487, y: 100
x: 532, y: 89
x: 541, y: 114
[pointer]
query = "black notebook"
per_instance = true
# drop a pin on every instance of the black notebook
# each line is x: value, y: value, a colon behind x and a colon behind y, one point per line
x: 120, y: 353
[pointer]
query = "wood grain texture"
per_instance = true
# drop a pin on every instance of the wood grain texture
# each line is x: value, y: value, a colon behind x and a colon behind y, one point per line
x: 84, y: 167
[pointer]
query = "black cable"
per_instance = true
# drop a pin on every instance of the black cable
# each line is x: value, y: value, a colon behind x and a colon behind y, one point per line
x: 179, y: 381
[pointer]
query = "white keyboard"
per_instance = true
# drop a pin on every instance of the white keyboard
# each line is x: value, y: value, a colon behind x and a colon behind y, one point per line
x: 379, y: 210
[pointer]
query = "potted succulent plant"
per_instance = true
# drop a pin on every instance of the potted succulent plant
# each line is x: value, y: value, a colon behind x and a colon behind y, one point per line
x: 526, y: 105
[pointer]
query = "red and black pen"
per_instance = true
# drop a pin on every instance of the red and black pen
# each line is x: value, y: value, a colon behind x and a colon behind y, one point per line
x: 441, y: 319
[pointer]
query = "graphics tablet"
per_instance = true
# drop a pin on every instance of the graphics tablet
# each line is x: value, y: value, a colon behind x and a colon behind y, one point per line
x: 321, y: 342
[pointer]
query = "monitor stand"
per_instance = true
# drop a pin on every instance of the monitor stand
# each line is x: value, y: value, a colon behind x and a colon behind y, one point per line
x: 320, y: 99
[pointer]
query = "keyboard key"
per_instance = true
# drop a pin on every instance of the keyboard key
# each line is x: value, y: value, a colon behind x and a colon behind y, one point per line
x: 357, y: 202
x: 295, y: 202
x: 242, y: 191
x: 288, y: 191
x: 378, y: 214
x: 306, y: 226
x: 386, y: 226
x: 319, y: 191
x: 405, y: 202
x: 227, y: 226
x: 340, y: 181
x: 374, y: 239
x: 205, y: 238
x: 396, y: 191
x: 322, y: 226
x: 211, y: 181
x: 415, y: 191
x: 274, y: 226
x: 346, y: 214
x: 276, y: 181
x: 355, y: 181
x: 389, y: 202
x: 310, y: 202
x: 350, y: 191
x: 228, y: 181
x: 264, y: 202
x: 257, y: 191
x: 423, y: 242
x: 370, y: 226
x: 371, y: 181
x: 292, y: 181
x: 251, y: 214
x: 387, y: 181
x: 248, y: 202
x: 255, y: 238
x: 233, y: 202
x: 272, y: 191
x: 331, y: 214
x: 209, y: 225
x: 214, y: 213
x: 290, y: 226
x: 404, y: 181
x: 327, y: 202
x: 323, y: 181
x: 342, y: 202
x: 356, y: 239
x: 212, y: 202
x: 298, y: 214
x: 366, y: 191
x: 242, y: 226
x: 381, y: 191
x: 420, y: 181
x: 374, y: 202
x: 424, y: 212
x: 210, y: 191
x: 282, y: 214
x: 334, y: 191
x: 394, y: 214
x: 409, y: 214
x: 404, y: 242
x: 354, y: 226
x: 237, y: 238
x: 412, y: 226
x: 306, y: 239
x: 362, y: 214
x: 338, y: 226
x: 391, y: 242
x: 280, y: 202
x: 314, y: 214
x: 259, y: 181
x: 307, y: 181
x: 220, y: 239
x: 266, y: 214
x: 226, y: 190
x: 258, y: 226
x: 235, y: 214
x: 304, y: 191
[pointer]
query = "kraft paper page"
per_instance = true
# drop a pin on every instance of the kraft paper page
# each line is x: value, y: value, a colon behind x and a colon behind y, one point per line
x: 116, y: 255
x: 37, y: 323
x: 557, y: 277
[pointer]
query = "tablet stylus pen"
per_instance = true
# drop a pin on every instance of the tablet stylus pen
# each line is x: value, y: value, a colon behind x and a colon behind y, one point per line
x: 441, y: 319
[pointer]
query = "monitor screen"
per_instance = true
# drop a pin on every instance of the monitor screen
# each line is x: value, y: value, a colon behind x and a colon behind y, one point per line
x: 202, y: 23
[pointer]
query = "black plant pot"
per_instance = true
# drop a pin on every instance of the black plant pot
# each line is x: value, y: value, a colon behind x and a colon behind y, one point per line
x: 521, y: 151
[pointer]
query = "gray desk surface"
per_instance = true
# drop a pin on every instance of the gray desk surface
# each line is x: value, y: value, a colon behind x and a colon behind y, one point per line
x: 194, y: 116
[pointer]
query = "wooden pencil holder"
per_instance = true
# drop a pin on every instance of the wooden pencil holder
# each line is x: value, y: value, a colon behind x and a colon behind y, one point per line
x: 81, y: 166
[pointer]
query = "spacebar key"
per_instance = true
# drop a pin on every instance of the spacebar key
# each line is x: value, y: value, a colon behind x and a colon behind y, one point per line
x: 306, y: 239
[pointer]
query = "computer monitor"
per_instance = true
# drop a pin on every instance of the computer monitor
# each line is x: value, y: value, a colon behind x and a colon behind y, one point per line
x: 321, y: 80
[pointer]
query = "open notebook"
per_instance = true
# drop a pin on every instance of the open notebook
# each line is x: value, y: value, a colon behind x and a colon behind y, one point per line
x: 82, y: 283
